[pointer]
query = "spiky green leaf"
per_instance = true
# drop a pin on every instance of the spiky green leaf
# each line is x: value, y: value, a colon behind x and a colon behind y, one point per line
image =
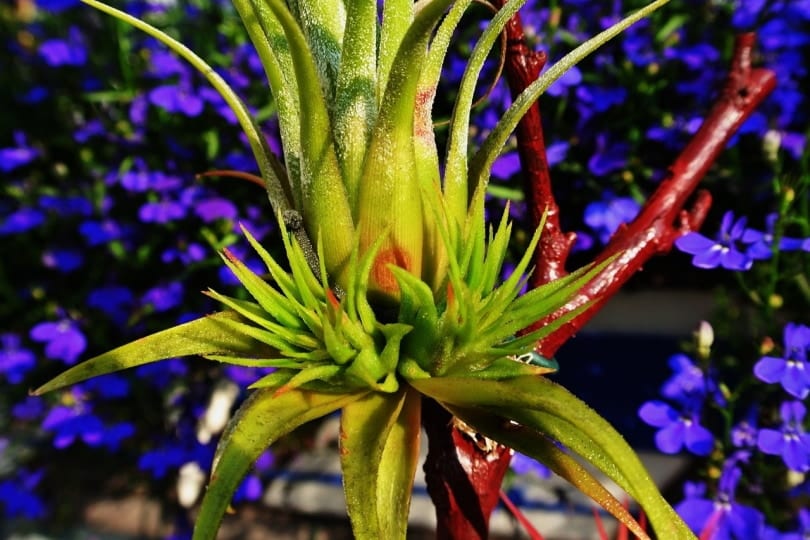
x: 261, y: 420
x: 204, y: 336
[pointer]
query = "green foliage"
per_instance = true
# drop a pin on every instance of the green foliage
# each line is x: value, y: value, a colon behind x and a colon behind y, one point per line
x: 369, y: 327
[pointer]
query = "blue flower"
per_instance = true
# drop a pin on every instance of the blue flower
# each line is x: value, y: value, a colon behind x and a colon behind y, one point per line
x: 791, y: 441
x: 61, y: 52
x: 677, y: 429
x: 506, y: 165
x: 173, y: 455
x: 792, y: 370
x: 215, y: 208
x: 109, y: 386
x: 64, y: 260
x: 722, y: 251
x: 185, y: 252
x: 72, y: 423
x: 761, y: 242
x: 608, y: 157
x: 161, y: 211
x: 162, y: 374
x: 113, y: 300
x: 604, y: 217
x: 57, y: 6
x: 17, y: 156
x: 64, y: 340
x: 15, y: 361
x: 687, y: 379
x: 721, y: 518
x: 744, y: 433
x: 67, y: 206
x: 32, y: 408
x: 524, y: 465
x: 164, y: 297
x: 17, y: 497
x: 177, y: 99
x: 21, y: 221
x: 101, y: 232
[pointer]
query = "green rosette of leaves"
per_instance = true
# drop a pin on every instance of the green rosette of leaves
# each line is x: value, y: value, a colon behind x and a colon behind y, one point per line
x: 397, y: 295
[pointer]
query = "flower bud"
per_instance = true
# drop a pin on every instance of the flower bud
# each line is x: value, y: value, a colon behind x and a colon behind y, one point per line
x: 190, y: 480
x: 704, y: 338
x: 218, y: 412
x: 770, y: 145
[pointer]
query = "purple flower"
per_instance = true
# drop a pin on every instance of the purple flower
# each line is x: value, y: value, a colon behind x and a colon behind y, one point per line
x: 57, y: 6
x: 688, y: 380
x: 608, y: 157
x: 215, y: 208
x: 177, y: 99
x: 604, y: 217
x: 67, y: 206
x: 249, y: 490
x: 61, y: 52
x: 186, y: 253
x: 721, y: 518
x: 15, y: 361
x: 32, y: 408
x: 100, y: 232
x: 161, y: 211
x: 162, y: 374
x: 677, y: 429
x: 113, y: 300
x: 792, y: 370
x: 556, y: 153
x: 744, y: 433
x: 244, y: 376
x: 64, y: 340
x: 173, y: 455
x: 570, y: 78
x: 723, y: 251
x: 597, y: 99
x: 164, y: 64
x: 791, y: 441
x: 506, y: 165
x: 62, y: 259
x: 761, y: 242
x: 109, y: 386
x: 17, y: 156
x: 746, y: 13
x: 522, y: 464
x: 72, y: 423
x: 21, y: 221
x: 164, y: 297
x: 18, y: 498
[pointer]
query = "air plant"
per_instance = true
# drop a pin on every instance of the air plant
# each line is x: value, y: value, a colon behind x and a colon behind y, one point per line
x: 392, y: 291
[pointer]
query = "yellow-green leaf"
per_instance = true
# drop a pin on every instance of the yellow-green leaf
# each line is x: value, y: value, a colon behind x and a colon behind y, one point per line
x: 365, y: 427
x: 260, y: 421
x: 205, y: 336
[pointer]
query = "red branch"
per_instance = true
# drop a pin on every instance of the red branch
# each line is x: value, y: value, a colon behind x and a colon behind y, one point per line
x: 664, y: 216
x: 463, y: 494
x: 522, y: 67
x: 463, y: 475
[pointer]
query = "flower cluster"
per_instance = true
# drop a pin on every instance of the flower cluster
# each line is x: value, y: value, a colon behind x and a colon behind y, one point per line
x: 745, y: 411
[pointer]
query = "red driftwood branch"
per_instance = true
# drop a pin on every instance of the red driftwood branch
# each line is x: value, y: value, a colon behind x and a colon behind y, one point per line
x: 462, y: 475
x: 664, y: 216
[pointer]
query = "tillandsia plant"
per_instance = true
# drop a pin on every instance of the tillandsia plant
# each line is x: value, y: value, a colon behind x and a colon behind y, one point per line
x: 392, y: 291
